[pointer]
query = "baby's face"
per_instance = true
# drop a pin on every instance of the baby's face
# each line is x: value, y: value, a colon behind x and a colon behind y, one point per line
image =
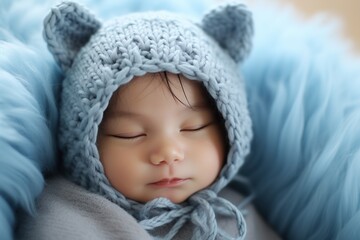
x: 151, y: 145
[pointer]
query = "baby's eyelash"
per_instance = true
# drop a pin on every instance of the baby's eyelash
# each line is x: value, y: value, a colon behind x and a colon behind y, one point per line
x: 196, y: 128
x: 129, y: 137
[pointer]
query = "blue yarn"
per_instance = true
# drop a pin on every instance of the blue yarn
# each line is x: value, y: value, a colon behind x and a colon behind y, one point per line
x: 98, y: 58
x: 201, y: 211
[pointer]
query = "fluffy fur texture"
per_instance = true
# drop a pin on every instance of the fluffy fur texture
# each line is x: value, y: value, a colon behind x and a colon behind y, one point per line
x: 303, y: 96
x: 27, y: 112
x: 303, y: 89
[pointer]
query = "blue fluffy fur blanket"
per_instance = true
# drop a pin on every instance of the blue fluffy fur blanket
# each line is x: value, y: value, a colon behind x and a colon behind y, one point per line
x: 304, y: 97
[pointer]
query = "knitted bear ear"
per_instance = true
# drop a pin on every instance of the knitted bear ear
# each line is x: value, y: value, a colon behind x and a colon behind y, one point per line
x: 232, y: 27
x: 67, y: 28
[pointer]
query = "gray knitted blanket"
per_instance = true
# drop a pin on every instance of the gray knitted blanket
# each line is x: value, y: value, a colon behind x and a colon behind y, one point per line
x: 67, y: 211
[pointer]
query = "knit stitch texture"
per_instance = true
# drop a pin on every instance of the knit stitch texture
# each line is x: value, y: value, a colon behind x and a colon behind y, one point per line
x: 97, y: 58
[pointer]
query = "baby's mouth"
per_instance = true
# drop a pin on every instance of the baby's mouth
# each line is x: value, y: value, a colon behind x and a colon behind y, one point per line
x: 170, y: 182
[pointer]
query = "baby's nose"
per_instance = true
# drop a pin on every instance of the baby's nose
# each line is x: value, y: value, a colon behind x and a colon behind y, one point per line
x: 168, y: 152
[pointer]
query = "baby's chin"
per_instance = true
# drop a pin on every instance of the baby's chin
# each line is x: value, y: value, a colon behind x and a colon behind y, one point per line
x: 173, y: 197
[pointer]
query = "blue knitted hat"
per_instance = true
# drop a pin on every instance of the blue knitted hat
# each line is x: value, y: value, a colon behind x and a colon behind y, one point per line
x: 97, y: 58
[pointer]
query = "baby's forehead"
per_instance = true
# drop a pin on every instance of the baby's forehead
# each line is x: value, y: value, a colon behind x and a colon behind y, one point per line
x: 166, y: 86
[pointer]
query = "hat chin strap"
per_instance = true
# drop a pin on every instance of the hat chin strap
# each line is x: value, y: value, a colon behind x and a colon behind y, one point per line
x: 200, y: 209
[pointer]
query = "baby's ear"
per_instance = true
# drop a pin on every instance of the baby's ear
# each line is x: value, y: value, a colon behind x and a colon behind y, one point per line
x: 232, y: 27
x: 67, y: 28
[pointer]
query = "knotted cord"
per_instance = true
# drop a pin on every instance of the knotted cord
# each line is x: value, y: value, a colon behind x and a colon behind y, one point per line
x: 200, y: 209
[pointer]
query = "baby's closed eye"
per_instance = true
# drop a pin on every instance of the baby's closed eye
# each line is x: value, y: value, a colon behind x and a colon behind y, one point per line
x: 196, y: 127
x: 128, y: 136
